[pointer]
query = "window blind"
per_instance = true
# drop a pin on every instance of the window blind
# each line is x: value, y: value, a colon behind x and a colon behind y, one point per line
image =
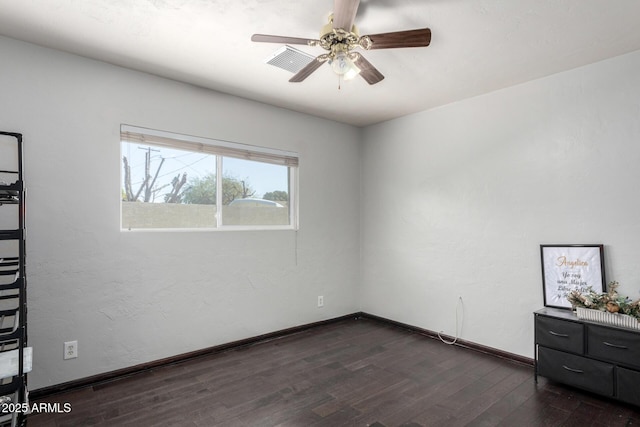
x: 145, y: 136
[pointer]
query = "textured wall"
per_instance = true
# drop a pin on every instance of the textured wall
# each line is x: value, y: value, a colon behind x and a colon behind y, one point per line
x: 130, y: 298
x: 457, y: 200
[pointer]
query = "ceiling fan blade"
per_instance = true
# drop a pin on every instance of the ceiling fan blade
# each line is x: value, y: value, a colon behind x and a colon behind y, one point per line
x: 309, y: 68
x: 368, y: 71
x: 266, y: 38
x: 410, y: 38
x: 344, y: 13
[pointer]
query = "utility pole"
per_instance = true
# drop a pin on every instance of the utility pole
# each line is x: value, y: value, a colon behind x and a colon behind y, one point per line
x: 149, y: 183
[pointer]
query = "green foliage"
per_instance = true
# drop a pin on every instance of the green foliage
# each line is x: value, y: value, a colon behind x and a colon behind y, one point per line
x: 203, y: 190
x: 610, y: 301
x: 276, y: 196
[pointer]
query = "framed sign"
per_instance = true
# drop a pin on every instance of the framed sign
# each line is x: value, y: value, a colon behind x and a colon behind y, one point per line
x: 569, y: 267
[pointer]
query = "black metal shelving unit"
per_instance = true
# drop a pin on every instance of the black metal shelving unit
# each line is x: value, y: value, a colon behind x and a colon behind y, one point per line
x: 13, y: 284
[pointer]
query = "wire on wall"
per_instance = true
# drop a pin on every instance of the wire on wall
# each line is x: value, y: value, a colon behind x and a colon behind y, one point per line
x: 459, y: 315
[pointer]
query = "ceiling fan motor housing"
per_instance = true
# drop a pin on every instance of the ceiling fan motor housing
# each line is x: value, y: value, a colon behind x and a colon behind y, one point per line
x: 338, y: 40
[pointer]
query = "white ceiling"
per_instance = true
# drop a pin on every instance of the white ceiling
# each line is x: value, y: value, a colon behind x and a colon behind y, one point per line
x: 477, y: 46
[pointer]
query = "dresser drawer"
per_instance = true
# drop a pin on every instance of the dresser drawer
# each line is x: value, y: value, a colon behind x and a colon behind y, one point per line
x: 575, y: 370
x: 560, y: 334
x: 628, y: 385
x: 614, y: 345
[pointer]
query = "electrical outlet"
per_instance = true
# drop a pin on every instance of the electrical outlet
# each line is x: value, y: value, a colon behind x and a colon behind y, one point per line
x: 70, y: 350
x: 320, y: 301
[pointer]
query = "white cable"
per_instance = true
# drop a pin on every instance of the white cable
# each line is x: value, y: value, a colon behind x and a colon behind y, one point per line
x: 458, y: 306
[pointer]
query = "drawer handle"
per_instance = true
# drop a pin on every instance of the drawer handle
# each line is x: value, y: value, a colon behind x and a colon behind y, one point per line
x: 608, y: 344
x: 556, y: 334
x: 577, y: 371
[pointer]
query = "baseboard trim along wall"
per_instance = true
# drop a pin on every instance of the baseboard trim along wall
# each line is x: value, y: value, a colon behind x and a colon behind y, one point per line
x: 458, y: 342
x: 133, y: 370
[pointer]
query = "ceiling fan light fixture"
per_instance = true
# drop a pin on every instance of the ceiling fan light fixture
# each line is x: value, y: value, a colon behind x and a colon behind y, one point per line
x: 353, y: 72
x: 343, y: 66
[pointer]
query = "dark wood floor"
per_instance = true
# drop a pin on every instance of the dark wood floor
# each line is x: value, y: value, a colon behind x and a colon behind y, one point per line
x: 352, y: 373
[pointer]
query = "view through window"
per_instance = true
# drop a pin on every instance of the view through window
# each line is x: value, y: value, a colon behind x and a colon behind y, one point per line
x: 172, y: 181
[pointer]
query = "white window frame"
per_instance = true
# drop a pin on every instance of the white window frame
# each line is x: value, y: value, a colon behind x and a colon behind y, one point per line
x: 220, y: 149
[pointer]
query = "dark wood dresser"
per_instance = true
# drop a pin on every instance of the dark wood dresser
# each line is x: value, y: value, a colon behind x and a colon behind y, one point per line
x: 592, y: 356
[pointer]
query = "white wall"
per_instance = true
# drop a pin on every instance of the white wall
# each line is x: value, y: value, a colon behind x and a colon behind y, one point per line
x: 130, y: 298
x: 482, y: 184
x: 457, y: 200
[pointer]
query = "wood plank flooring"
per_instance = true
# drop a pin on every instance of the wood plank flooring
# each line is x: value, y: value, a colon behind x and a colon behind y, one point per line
x: 352, y: 373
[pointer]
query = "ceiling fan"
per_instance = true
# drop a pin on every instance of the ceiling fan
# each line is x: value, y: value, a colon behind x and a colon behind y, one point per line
x: 340, y: 37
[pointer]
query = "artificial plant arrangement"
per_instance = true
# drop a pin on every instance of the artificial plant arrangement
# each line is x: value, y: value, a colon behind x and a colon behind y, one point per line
x: 609, y: 301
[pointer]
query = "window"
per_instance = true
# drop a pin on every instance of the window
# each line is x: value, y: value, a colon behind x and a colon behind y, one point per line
x: 172, y: 181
